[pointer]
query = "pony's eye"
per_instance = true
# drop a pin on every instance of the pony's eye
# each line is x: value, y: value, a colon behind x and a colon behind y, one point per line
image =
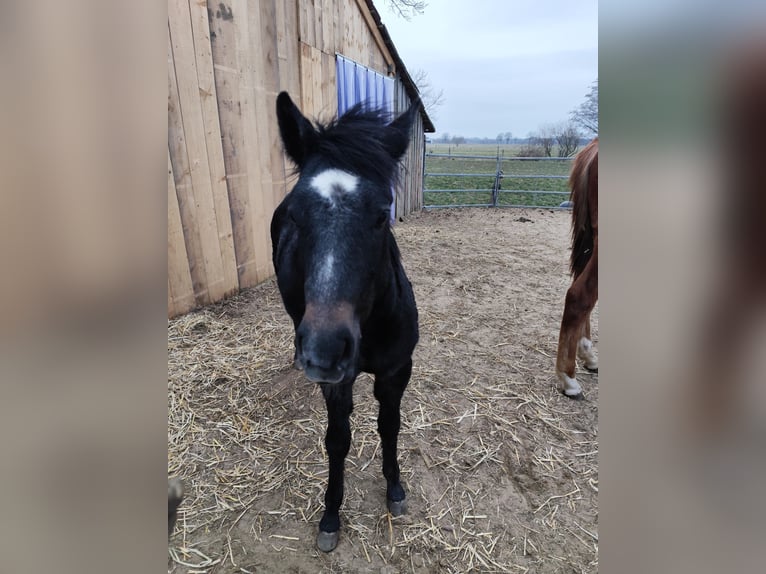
x: 381, y: 220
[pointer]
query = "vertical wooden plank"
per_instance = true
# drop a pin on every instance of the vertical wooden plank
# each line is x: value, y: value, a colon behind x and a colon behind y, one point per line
x: 288, y: 49
x: 421, y: 165
x: 310, y: 16
x: 359, y: 44
x: 374, y: 50
x: 290, y: 66
x: 318, y: 29
x: 217, y: 168
x: 226, y: 62
x: 417, y: 152
x: 343, y: 29
x: 303, y: 20
x: 307, y: 83
x: 356, y: 35
x: 346, y: 18
x: 329, y: 90
x: 361, y: 38
x: 337, y: 30
x: 316, y: 81
x: 182, y: 174
x: 180, y: 288
x: 414, y: 171
x: 247, y: 23
x: 182, y: 41
x: 270, y: 82
x: 267, y: 51
x: 329, y: 84
x: 280, y: 17
x: 347, y: 22
x: 265, y: 80
x: 315, y: 86
x: 328, y: 39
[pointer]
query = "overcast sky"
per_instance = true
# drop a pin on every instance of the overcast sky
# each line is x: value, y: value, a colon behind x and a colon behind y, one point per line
x: 504, y: 65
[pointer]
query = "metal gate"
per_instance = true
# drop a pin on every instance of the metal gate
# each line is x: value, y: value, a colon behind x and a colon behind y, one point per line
x: 529, y: 181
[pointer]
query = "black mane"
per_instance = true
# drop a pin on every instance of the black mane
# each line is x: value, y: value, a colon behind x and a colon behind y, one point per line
x: 353, y: 143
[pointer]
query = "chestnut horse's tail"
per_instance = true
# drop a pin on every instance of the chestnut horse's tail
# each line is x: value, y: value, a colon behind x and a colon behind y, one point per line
x: 583, y: 182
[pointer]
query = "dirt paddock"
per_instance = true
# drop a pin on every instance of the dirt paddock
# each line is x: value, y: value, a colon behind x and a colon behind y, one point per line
x: 501, y: 470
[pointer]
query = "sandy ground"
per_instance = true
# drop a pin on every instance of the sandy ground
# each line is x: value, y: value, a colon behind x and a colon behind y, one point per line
x: 501, y: 470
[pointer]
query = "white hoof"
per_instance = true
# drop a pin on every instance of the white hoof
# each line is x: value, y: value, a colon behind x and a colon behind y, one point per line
x: 569, y: 386
x: 586, y: 354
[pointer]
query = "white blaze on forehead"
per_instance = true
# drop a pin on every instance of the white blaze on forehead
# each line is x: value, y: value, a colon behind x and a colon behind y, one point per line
x: 333, y: 182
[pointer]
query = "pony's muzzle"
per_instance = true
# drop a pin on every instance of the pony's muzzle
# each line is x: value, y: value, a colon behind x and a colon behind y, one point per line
x: 326, y: 349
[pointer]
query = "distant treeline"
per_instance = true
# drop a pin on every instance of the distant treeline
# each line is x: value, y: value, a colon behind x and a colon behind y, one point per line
x: 450, y: 139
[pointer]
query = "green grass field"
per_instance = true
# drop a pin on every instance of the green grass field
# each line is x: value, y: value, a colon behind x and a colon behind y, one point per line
x: 514, y: 191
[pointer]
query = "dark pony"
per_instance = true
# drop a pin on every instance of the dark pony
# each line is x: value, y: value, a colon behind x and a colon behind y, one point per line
x: 341, y: 279
x: 575, y: 336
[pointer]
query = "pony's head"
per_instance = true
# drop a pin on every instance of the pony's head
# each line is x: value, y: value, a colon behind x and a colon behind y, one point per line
x: 331, y: 234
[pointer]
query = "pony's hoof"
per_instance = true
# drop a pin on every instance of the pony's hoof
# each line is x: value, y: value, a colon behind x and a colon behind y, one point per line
x: 577, y: 397
x: 593, y: 370
x: 327, y: 541
x: 397, y: 507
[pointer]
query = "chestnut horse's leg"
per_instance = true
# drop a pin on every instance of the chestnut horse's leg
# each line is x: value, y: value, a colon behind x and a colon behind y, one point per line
x: 339, y: 400
x: 585, y: 347
x: 580, y: 299
x: 389, y: 391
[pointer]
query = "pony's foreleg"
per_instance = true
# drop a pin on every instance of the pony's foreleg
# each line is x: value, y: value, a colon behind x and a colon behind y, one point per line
x: 585, y: 347
x: 175, y: 496
x: 337, y: 442
x: 580, y: 299
x: 389, y: 391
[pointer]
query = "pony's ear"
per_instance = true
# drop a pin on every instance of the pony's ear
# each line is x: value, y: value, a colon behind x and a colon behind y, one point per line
x: 298, y: 135
x: 396, y: 135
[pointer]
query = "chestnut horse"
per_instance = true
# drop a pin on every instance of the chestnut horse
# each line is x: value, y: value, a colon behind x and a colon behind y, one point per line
x: 575, y: 337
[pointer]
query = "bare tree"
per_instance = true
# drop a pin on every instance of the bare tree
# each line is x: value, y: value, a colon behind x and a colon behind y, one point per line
x: 508, y: 136
x: 446, y: 138
x: 544, y: 139
x: 431, y: 98
x: 586, y: 115
x: 567, y: 138
x: 500, y: 137
x: 457, y: 140
x: 407, y: 8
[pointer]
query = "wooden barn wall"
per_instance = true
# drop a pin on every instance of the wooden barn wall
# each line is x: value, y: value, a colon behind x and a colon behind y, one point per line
x: 226, y: 170
x: 409, y: 191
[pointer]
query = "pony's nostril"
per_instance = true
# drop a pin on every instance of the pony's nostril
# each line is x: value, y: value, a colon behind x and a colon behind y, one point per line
x: 348, y: 348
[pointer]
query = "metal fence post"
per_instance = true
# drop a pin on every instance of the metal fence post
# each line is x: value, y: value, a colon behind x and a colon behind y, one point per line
x: 496, y: 187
